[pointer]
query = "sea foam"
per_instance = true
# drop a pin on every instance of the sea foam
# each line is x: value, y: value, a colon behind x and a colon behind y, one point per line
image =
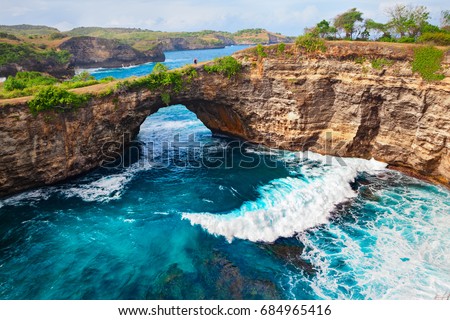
x: 400, y: 254
x: 103, y: 190
x: 289, y: 205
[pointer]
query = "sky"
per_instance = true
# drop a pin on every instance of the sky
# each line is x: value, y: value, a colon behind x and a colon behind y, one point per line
x: 288, y: 17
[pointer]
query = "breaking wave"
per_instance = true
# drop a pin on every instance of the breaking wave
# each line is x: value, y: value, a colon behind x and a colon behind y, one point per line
x: 289, y: 205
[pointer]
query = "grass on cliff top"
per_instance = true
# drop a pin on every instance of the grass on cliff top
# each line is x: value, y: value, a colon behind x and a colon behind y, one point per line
x: 379, y: 63
x: 311, y: 43
x: 11, y: 53
x: 161, y: 78
x: 57, y: 97
x: 427, y: 62
x: 30, y: 83
x: 227, y: 66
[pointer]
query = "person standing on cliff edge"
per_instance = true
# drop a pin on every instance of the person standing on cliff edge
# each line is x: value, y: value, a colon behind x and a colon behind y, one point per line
x: 195, y: 60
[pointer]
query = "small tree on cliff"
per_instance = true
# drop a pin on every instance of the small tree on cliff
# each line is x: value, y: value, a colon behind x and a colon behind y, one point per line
x: 346, y: 22
x: 407, y: 21
x: 445, y: 20
x: 325, y: 30
x: 159, y: 68
x: 375, y: 29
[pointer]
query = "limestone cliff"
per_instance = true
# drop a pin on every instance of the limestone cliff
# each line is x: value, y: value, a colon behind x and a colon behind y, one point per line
x: 92, y: 52
x: 48, y: 65
x: 326, y: 102
x: 330, y: 104
x: 188, y: 43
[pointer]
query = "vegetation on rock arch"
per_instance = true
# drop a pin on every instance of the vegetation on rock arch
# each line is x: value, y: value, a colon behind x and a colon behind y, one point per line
x: 27, y: 83
x: 227, y: 66
x: 57, y: 99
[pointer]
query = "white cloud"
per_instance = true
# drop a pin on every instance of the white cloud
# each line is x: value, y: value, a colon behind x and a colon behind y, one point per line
x: 286, y: 16
x: 17, y: 11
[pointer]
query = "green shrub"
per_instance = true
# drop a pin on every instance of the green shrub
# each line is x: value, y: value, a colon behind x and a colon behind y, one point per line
x: 10, y: 53
x: 160, y: 68
x: 161, y: 78
x: 13, y: 53
x: 84, y: 79
x: 260, y: 51
x: 427, y: 62
x: 227, y: 66
x: 406, y: 40
x: 54, y: 98
x: 280, y: 48
x: 360, y: 60
x: 60, y: 56
x: 386, y: 39
x: 5, y: 35
x: 165, y: 97
x: 438, y: 38
x: 27, y: 79
x: 12, y: 83
x: 379, y: 63
x: 78, y: 84
x: 82, y: 76
x: 311, y: 43
x: 56, y: 35
x: 189, y: 72
x: 107, y: 92
x: 107, y: 79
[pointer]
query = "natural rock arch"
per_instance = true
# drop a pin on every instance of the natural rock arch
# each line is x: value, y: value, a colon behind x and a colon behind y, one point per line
x: 296, y: 102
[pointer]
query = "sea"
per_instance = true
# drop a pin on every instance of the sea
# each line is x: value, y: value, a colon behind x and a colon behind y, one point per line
x: 186, y: 214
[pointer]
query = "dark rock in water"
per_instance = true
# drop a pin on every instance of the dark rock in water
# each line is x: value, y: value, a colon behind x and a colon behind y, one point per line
x: 368, y: 194
x: 229, y: 283
x: 174, y: 283
x: 290, y: 253
x: 91, y: 52
x: 216, y: 278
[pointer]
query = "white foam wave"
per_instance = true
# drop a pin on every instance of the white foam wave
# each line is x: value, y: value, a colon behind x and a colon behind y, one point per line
x: 90, y: 70
x: 168, y: 125
x: 406, y: 256
x: 175, y: 60
x: 28, y: 197
x: 103, y: 190
x: 287, y: 206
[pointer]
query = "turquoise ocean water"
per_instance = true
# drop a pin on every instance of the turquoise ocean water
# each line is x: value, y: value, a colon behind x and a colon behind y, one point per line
x: 226, y: 220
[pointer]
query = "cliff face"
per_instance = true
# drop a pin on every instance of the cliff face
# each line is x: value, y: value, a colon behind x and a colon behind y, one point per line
x: 49, y: 65
x: 16, y: 55
x: 91, y: 52
x: 326, y: 103
x: 217, y: 41
x: 330, y: 104
x: 190, y: 43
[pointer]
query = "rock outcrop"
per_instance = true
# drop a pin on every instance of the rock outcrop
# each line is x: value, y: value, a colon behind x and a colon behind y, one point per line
x: 216, y: 41
x: 190, y: 43
x: 327, y: 103
x: 91, y: 52
x: 48, y: 65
